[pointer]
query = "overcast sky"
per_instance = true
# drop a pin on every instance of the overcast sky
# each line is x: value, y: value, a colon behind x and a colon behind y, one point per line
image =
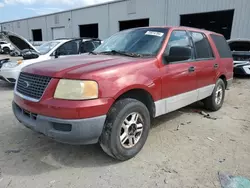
x: 16, y: 9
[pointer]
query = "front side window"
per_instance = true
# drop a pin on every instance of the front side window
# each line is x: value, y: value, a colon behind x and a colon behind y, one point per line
x: 202, y: 46
x: 46, y: 47
x: 143, y: 41
x: 178, y: 47
x: 179, y: 39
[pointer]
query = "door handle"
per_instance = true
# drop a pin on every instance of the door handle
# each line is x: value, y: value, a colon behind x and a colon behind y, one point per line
x: 216, y: 65
x: 191, y: 69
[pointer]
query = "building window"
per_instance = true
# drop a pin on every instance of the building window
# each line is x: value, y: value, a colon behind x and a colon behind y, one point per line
x: 57, y: 19
x: 37, y: 34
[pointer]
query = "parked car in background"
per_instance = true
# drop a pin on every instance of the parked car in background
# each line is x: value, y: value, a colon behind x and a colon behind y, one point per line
x: 111, y: 95
x: 241, y: 54
x: 16, y: 53
x: 49, y: 50
x: 5, y: 47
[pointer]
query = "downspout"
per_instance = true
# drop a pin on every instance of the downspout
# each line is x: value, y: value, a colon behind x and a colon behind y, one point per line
x: 71, y: 24
x: 166, y: 12
x: 46, y: 25
x: 108, y: 20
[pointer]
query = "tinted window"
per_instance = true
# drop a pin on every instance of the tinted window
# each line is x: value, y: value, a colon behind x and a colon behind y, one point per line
x: 69, y: 48
x: 202, y: 46
x: 222, y: 46
x: 179, y: 39
x: 87, y: 46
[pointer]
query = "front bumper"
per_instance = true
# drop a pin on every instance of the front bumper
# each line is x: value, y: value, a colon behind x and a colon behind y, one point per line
x: 9, y: 75
x: 242, y: 70
x: 241, y: 67
x: 70, y: 131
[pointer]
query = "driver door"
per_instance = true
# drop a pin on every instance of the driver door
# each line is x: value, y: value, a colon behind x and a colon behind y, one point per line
x: 179, y: 84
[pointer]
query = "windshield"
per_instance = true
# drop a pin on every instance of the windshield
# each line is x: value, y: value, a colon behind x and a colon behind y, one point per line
x: 143, y: 41
x: 46, y: 47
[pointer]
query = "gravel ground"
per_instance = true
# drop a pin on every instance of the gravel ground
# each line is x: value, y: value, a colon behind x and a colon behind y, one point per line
x: 191, y: 156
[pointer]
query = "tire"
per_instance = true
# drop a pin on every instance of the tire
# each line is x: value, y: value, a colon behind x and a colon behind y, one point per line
x: 113, y: 131
x: 6, y: 50
x: 212, y: 103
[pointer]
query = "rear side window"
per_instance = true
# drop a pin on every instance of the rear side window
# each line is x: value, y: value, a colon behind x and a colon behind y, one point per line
x: 202, y: 46
x: 222, y: 46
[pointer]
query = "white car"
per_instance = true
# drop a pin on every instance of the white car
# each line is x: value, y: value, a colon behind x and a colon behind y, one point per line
x: 5, y: 47
x: 241, y: 54
x: 49, y: 50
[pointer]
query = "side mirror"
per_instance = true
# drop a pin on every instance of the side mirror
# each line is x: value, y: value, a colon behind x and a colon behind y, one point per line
x: 178, y: 53
x: 56, y: 54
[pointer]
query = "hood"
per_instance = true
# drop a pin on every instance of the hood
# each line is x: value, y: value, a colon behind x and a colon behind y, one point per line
x: 75, y: 66
x: 19, y: 42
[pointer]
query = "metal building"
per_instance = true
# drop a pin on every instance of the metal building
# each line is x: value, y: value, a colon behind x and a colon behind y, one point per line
x: 229, y: 17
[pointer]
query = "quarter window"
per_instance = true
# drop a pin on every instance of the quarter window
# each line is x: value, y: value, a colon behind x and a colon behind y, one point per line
x: 222, y: 46
x: 202, y: 46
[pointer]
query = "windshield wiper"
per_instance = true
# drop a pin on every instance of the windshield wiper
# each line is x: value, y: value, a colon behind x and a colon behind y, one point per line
x: 113, y: 52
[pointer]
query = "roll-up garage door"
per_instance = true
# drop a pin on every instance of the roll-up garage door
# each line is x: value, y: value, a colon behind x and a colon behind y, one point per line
x: 58, y: 32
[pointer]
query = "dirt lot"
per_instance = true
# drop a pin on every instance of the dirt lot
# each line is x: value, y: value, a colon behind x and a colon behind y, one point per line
x: 189, y: 157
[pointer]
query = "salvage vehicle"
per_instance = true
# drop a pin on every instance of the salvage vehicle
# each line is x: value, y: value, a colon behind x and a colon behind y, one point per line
x: 241, y: 54
x: 5, y: 47
x: 48, y: 50
x: 111, y: 95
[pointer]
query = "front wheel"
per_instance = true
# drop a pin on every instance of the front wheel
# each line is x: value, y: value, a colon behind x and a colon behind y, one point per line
x: 216, y: 100
x: 6, y: 50
x: 126, y: 129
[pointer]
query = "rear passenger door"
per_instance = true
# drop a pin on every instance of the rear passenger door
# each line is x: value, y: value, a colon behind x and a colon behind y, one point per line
x: 205, y: 64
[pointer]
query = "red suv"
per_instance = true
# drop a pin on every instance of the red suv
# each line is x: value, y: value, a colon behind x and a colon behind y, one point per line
x: 110, y: 95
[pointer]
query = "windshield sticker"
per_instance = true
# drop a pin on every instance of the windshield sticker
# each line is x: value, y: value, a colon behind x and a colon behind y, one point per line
x: 154, y: 33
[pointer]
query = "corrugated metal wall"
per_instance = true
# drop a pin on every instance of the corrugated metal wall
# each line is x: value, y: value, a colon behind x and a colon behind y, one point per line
x: 241, y: 23
x: 160, y: 12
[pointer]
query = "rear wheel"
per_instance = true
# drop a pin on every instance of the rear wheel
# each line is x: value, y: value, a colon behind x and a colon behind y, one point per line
x: 216, y: 100
x: 126, y: 129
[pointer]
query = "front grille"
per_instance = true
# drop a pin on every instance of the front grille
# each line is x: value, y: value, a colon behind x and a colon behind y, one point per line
x: 31, y: 85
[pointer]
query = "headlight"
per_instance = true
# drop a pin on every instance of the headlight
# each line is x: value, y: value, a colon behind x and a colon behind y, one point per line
x: 76, y: 90
x: 10, y: 65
